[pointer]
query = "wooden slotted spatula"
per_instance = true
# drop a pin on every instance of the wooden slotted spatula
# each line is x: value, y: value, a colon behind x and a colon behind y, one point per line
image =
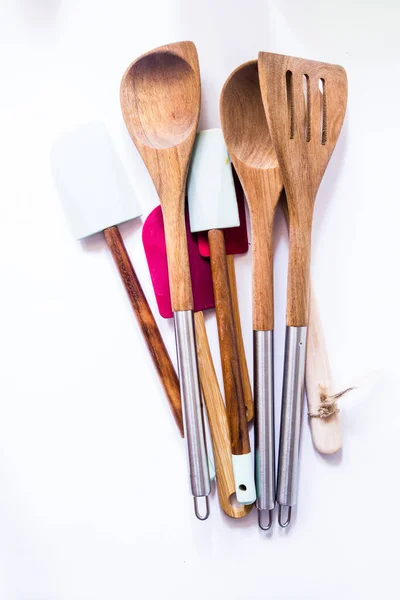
x: 304, y: 125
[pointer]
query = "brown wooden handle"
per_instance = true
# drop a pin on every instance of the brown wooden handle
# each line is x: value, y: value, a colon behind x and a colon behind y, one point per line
x: 218, y: 423
x: 147, y: 323
x: 297, y: 310
x: 244, y: 371
x: 233, y: 387
x: 263, y: 189
x: 298, y: 274
x: 263, y: 271
x: 177, y: 252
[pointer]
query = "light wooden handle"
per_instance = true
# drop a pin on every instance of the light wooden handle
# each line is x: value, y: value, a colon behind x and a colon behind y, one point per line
x: 326, y: 433
x: 147, y: 323
x: 178, y: 257
x: 218, y: 424
x: 244, y: 371
x: 234, y: 397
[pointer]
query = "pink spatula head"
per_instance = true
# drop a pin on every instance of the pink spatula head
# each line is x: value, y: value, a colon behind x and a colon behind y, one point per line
x: 153, y: 237
x: 236, y: 240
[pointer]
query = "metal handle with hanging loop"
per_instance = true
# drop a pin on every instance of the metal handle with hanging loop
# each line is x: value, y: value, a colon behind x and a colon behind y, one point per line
x: 192, y: 408
x: 292, y: 400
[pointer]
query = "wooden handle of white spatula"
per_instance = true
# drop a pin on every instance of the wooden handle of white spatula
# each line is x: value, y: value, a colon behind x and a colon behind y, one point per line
x: 326, y: 432
x: 248, y: 396
x: 147, y: 323
x: 218, y: 424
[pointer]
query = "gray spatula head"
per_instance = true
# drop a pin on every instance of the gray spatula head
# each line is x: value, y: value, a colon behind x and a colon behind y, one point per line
x: 211, y: 189
x: 93, y: 185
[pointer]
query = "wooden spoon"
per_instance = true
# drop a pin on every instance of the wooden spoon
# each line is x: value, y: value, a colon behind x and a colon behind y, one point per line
x: 304, y: 128
x: 246, y: 134
x: 160, y: 101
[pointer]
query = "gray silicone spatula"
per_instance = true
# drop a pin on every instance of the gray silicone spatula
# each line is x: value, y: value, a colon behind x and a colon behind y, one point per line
x: 97, y: 196
x: 213, y: 207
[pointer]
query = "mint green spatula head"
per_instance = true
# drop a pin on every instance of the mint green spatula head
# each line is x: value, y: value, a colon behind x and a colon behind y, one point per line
x: 211, y: 189
x: 94, y: 188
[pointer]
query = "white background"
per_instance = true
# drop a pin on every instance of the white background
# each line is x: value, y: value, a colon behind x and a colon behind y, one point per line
x: 94, y: 498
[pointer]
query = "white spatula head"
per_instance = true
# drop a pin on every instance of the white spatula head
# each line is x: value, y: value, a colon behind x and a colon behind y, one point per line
x: 211, y: 190
x: 94, y: 187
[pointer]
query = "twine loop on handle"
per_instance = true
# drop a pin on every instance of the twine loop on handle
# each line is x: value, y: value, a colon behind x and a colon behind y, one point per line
x: 328, y: 406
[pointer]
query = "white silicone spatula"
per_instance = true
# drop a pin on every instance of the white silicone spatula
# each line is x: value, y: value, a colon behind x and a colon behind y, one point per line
x: 97, y: 196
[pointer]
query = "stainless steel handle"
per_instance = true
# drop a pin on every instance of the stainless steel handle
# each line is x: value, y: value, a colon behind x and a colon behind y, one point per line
x: 264, y: 429
x: 292, y: 400
x: 192, y: 407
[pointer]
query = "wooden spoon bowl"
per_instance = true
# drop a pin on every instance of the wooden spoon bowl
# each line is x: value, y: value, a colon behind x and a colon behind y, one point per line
x: 167, y: 123
x: 245, y: 126
x: 250, y: 146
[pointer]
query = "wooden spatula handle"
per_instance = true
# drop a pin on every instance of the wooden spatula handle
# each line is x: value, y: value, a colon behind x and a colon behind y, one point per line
x: 298, y: 272
x: 326, y: 433
x: 147, y: 323
x: 244, y: 371
x: 218, y: 424
x: 234, y: 397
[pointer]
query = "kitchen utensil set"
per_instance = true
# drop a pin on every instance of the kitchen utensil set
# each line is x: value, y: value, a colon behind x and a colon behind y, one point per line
x: 281, y: 118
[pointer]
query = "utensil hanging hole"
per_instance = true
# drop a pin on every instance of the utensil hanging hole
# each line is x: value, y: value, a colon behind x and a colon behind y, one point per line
x: 261, y: 524
x: 307, y: 106
x: 290, y: 106
x: 289, y: 515
x: 242, y: 487
x: 202, y: 516
x: 234, y: 502
x: 323, y: 111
